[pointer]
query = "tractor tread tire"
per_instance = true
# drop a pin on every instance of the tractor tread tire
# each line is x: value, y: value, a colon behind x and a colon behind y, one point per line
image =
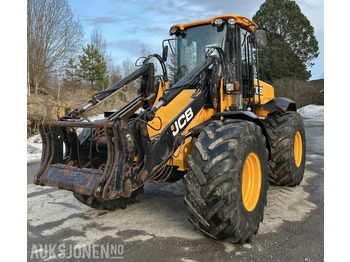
x: 213, y: 182
x: 281, y: 130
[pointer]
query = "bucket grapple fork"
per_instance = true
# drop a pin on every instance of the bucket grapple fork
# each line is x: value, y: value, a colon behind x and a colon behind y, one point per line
x: 63, y: 169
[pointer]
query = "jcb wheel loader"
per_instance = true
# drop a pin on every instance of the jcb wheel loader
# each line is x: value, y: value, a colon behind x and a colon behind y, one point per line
x: 217, y: 127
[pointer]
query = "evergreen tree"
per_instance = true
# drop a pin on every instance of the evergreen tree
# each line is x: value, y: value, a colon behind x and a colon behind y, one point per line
x: 72, y: 78
x: 292, y: 45
x: 93, y: 67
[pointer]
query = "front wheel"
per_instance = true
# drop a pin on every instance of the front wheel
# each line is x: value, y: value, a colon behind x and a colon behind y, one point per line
x: 227, y: 180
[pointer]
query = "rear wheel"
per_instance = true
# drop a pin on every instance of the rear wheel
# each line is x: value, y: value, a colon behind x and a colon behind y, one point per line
x: 111, y: 205
x: 227, y: 180
x: 288, y: 148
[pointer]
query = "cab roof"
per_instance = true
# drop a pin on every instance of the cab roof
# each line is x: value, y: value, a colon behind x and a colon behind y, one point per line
x: 244, y: 21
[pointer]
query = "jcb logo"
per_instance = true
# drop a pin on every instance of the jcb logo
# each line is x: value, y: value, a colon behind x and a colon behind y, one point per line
x: 259, y: 90
x: 181, y: 122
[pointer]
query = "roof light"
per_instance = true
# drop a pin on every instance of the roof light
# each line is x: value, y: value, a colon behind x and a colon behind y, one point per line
x: 231, y: 21
x: 173, y: 30
x: 219, y: 21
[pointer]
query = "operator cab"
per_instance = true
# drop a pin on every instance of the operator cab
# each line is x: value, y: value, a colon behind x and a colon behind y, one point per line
x: 235, y: 35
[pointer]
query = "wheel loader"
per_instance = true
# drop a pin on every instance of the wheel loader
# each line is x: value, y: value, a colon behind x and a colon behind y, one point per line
x: 216, y: 125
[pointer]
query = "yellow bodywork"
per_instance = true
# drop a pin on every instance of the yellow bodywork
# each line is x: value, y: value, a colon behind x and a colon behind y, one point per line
x: 170, y: 111
x: 242, y: 20
x: 267, y: 93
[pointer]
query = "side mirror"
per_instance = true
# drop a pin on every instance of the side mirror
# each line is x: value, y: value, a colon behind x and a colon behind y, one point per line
x: 165, y: 53
x: 260, y: 39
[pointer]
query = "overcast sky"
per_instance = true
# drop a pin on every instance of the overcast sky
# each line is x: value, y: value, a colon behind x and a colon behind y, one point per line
x: 129, y: 25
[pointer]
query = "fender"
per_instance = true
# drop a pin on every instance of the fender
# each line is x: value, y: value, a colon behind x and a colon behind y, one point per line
x: 248, y: 116
x: 279, y: 104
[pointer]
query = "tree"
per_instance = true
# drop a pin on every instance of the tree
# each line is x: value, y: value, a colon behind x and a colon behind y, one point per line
x: 127, y: 68
x: 114, y: 73
x: 292, y: 45
x: 53, y: 34
x: 98, y: 41
x: 72, y: 78
x: 93, y: 67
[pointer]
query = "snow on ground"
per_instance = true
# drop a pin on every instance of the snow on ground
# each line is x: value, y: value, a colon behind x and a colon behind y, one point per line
x: 34, y: 143
x: 34, y: 146
x: 312, y: 111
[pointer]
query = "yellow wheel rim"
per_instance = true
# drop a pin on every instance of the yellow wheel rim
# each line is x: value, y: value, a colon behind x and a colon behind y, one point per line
x: 251, y: 181
x: 298, y: 149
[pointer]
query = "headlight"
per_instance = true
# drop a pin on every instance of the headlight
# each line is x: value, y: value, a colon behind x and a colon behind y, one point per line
x: 219, y: 21
x: 231, y: 21
x: 230, y: 87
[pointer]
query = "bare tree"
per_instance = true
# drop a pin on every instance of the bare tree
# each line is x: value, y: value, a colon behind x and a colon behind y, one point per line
x: 113, y: 71
x: 53, y: 35
x: 98, y: 40
x: 144, y: 51
x: 127, y: 68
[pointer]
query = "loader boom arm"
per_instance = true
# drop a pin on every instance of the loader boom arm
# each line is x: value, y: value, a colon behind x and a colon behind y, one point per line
x: 147, y: 88
x: 132, y: 156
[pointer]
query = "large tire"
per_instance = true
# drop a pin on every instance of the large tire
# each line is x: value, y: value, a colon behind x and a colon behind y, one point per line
x: 288, y: 148
x: 111, y: 205
x: 227, y: 180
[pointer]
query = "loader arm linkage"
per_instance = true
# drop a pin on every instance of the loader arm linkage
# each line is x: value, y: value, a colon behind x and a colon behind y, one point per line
x: 110, y: 159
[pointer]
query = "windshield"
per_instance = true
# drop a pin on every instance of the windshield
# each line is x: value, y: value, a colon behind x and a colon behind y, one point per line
x: 192, y: 45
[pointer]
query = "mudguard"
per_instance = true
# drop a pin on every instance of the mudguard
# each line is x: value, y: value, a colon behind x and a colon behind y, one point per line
x: 280, y: 104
